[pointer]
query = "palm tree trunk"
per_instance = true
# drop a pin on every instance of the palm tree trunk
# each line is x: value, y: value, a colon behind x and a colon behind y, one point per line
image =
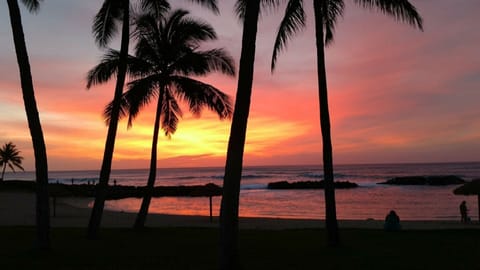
x: 478, y: 206
x: 101, y: 188
x: 330, y: 208
x: 3, y: 171
x: 229, y: 257
x: 142, y: 214
x: 39, y: 149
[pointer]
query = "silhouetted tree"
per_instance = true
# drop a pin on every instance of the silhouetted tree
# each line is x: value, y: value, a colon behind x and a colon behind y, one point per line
x: 10, y: 156
x: 326, y: 14
x: 249, y: 11
x: 34, y: 125
x: 166, y: 56
x: 105, y: 26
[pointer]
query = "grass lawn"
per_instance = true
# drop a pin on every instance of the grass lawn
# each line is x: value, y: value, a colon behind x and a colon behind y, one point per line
x: 195, y: 248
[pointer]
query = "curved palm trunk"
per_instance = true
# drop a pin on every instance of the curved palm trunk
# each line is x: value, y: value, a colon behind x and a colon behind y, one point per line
x: 229, y: 258
x: 39, y: 149
x: 330, y: 208
x: 101, y: 189
x: 142, y: 214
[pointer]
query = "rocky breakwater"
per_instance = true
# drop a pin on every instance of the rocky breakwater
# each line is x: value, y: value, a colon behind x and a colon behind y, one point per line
x: 309, y: 185
x: 435, y: 180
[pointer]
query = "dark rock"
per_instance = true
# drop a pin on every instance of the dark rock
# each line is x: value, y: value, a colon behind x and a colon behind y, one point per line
x: 440, y: 180
x: 309, y: 185
x: 118, y: 191
x: 444, y: 180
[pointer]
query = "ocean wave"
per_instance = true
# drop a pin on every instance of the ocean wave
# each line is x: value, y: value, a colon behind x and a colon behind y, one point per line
x: 253, y: 186
x: 183, y: 177
x: 246, y: 176
x: 311, y: 175
x: 320, y: 175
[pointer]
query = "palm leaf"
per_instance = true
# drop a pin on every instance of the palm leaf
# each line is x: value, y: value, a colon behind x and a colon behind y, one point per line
x: 292, y: 22
x: 32, y: 5
x: 156, y: 7
x: 331, y: 11
x: 108, y: 67
x: 107, y: 112
x: 211, y: 4
x: 183, y: 31
x: 198, y: 95
x: 104, y: 24
x: 139, y: 94
x: 203, y: 62
x: 171, y: 113
x: 241, y: 6
x: 401, y: 10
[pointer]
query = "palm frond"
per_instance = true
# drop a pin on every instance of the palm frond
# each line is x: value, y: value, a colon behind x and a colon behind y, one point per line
x: 105, y: 22
x: 240, y: 8
x: 199, y: 95
x: 185, y: 31
x: 148, y: 32
x: 292, y: 22
x: 203, y: 62
x: 139, y: 94
x: 12, y: 166
x: 107, y: 67
x: 158, y: 8
x: 107, y: 112
x: 32, y: 5
x: 191, y: 32
x: 401, y: 10
x: 331, y: 11
x: 171, y: 113
x: 211, y: 4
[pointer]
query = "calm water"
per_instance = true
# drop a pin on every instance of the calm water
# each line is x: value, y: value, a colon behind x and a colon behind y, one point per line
x: 370, y: 200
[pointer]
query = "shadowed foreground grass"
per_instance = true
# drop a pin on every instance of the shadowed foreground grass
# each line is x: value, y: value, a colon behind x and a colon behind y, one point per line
x: 195, y: 248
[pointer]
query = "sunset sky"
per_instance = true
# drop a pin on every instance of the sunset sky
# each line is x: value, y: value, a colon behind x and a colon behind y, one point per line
x: 396, y: 94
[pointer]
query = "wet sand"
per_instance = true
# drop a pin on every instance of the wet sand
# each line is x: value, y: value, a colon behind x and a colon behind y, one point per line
x: 17, y: 208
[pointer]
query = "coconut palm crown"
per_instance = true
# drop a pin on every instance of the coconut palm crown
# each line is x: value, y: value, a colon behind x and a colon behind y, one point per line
x: 111, y: 15
x: 10, y: 156
x: 166, y: 55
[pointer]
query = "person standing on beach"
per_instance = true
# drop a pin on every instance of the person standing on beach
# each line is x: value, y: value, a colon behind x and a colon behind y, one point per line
x: 463, y: 212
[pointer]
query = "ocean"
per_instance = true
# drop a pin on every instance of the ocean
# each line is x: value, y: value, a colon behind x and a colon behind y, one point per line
x: 369, y: 201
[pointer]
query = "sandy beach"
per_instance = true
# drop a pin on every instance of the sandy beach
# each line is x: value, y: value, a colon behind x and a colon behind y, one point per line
x: 17, y: 208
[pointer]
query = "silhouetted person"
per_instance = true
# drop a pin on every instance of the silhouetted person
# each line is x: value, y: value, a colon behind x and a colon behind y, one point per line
x: 463, y: 212
x: 392, y: 222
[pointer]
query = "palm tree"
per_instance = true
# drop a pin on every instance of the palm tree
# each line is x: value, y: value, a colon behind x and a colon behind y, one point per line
x: 39, y: 149
x: 326, y: 14
x: 165, y: 56
x: 105, y: 26
x: 9, y: 155
x: 249, y: 11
